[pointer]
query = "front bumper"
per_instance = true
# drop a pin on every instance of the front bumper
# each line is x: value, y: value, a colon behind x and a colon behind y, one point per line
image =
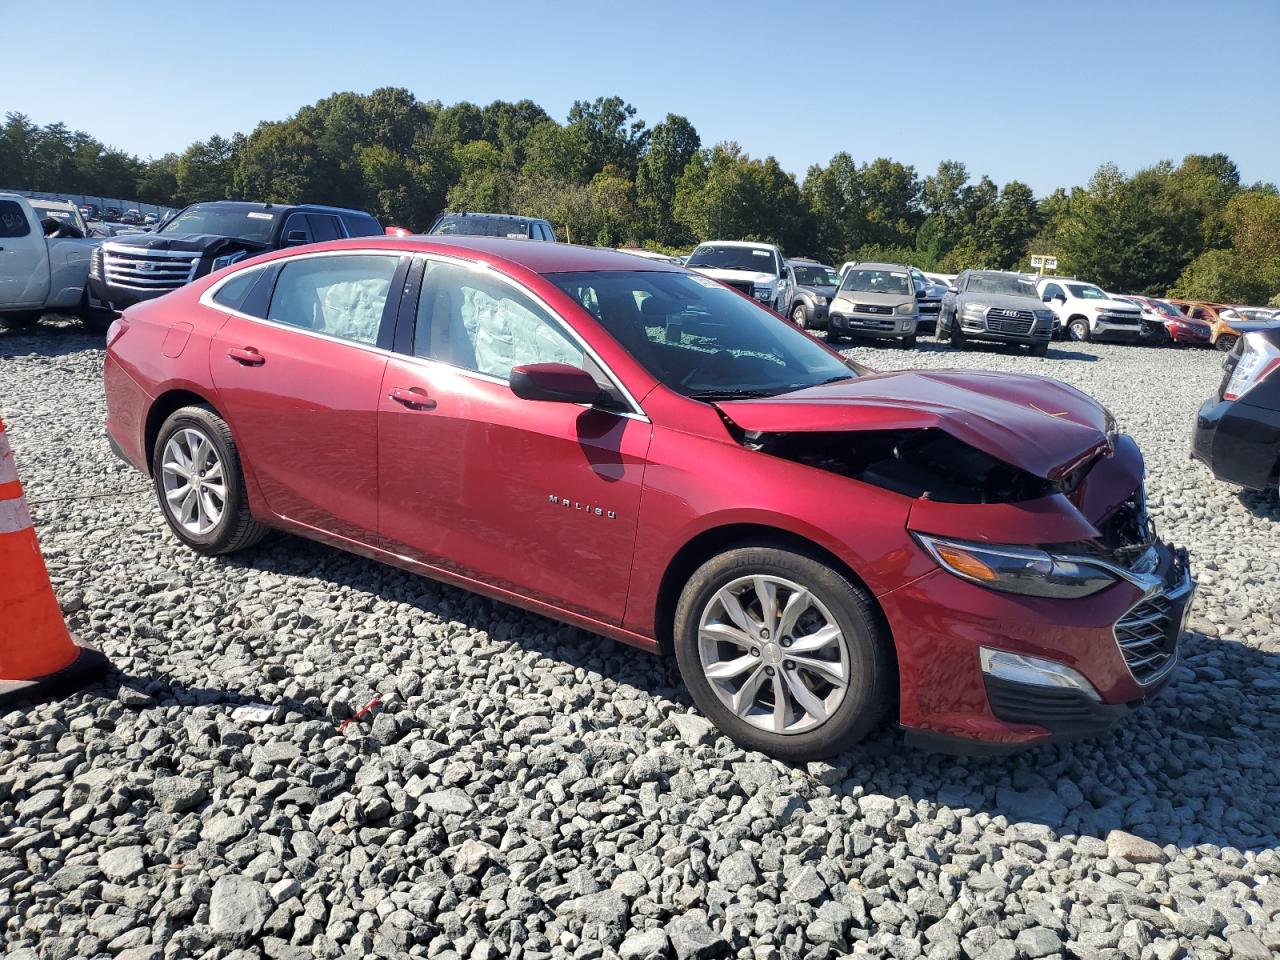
x: 118, y: 298
x: 1239, y: 442
x: 869, y: 325
x: 1106, y: 330
x: 949, y: 702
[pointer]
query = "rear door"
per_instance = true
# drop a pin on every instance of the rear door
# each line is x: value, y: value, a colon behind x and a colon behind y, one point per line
x: 298, y: 373
x: 540, y: 499
x: 24, y: 257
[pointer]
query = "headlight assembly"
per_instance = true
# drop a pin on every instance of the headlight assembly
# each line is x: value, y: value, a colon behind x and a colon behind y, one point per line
x: 908, y: 308
x: 977, y: 309
x: 1023, y: 570
x: 227, y: 259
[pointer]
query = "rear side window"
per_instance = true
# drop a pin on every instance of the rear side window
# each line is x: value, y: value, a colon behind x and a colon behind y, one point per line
x: 13, y: 221
x: 341, y: 296
x: 232, y: 293
x: 297, y: 223
x: 359, y: 225
x: 323, y: 227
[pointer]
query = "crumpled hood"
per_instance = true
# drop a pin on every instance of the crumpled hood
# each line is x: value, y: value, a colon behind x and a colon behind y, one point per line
x: 1034, y: 423
x: 193, y: 242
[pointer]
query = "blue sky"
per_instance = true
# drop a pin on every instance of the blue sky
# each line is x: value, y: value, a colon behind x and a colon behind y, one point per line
x: 1039, y: 92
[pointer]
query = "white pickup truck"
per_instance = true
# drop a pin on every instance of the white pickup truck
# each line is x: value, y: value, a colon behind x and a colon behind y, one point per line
x: 44, y: 263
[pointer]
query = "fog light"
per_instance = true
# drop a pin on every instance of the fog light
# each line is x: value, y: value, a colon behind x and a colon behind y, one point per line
x: 1021, y: 668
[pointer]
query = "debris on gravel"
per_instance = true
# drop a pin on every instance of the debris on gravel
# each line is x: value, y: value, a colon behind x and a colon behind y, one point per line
x: 527, y: 790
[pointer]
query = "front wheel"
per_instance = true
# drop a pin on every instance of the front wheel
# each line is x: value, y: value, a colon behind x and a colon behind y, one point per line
x: 800, y: 317
x: 1078, y: 330
x: 785, y: 655
x: 1225, y: 343
x: 1038, y: 349
x: 96, y: 319
x: 957, y: 335
x: 198, y: 480
x: 909, y: 343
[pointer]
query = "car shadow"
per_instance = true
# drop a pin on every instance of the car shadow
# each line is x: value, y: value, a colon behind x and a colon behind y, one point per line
x: 1210, y: 789
x: 972, y: 346
x: 54, y: 335
x: 1263, y: 504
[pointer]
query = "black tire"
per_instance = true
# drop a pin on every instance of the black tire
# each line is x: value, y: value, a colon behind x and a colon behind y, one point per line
x: 909, y: 343
x: 939, y: 332
x: 800, y: 316
x: 94, y: 319
x: 956, y: 334
x: 1225, y: 343
x: 1078, y: 330
x: 866, y: 643
x: 1038, y: 349
x: 236, y: 529
x: 19, y: 320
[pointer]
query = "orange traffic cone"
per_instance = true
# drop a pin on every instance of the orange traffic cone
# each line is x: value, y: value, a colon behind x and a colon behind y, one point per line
x: 37, y: 654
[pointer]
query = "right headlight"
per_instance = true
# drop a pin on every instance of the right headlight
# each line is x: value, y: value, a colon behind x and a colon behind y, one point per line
x: 1023, y: 570
x: 1045, y: 315
x: 977, y: 309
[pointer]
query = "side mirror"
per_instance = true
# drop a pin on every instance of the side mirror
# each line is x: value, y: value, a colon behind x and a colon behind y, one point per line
x: 953, y: 289
x: 1047, y: 299
x: 556, y: 383
x: 295, y: 238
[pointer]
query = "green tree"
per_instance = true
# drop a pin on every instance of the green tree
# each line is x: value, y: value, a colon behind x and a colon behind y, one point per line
x: 672, y: 144
x: 609, y: 133
x: 206, y: 170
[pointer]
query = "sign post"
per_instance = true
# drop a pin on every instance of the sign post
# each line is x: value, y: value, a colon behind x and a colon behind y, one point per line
x: 1043, y: 263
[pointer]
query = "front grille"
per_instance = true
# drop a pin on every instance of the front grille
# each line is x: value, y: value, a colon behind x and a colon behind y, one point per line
x: 871, y: 308
x: 1121, y: 319
x: 867, y: 323
x: 1148, y: 637
x: 746, y: 286
x: 150, y: 270
x: 1014, y: 322
x: 929, y: 306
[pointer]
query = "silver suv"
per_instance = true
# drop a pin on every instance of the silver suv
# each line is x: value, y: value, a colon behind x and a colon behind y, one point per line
x: 874, y: 300
x: 998, y: 307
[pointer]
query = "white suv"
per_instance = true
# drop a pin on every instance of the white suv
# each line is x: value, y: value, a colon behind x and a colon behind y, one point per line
x: 1085, y: 312
x: 757, y: 269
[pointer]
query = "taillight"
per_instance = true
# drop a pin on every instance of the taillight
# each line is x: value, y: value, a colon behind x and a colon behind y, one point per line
x: 1259, y: 358
x: 118, y: 326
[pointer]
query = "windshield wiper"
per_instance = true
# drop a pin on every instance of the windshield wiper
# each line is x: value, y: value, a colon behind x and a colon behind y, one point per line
x: 729, y: 393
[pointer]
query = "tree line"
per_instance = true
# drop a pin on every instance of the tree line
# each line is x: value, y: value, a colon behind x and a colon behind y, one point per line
x: 605, y: 177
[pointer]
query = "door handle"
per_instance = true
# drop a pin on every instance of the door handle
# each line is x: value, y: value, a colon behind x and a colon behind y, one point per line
x: 415, y: 398
x: 247, y: 356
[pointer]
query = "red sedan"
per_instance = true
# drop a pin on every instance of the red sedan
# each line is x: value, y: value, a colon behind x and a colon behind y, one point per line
x: 642, y: 452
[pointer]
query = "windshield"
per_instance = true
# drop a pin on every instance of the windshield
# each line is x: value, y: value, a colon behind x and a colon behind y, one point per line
x: 1005, y: 284
x: 862, y: 280
x: 461, y: 225
x: 755, y: 259
x: 816, y: 276
x: 1087, y: 291
x: 1167, y: 309
x: 219, y: 221
x: 700, y: 339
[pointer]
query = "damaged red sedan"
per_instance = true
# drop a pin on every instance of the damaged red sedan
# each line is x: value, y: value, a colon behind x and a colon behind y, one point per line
x: 640, y: 451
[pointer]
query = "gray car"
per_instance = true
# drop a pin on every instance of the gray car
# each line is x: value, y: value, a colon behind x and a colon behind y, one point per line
x: 996, y: 307
x: 876, y: 300
x: 814, y: 286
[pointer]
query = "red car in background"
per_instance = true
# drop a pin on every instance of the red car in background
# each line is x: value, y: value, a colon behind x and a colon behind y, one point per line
x: 1162, y: 322
x: 640, y: 451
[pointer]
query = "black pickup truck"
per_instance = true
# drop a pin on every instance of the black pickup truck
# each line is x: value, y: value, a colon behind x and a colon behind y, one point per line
x: 209, y: 236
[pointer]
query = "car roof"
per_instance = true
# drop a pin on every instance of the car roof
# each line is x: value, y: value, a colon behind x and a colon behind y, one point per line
x: 490, y: 216
x: 532, y: 255
x: 875, y: 265
x: 806, y: 260
x: 737, y: 243
x: 291, y: 207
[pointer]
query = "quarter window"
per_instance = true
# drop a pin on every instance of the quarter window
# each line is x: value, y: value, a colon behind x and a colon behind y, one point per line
x: 232, y: 293
x: 472, y: 320
x: 343, y: 296
x: 13, y: 221
x: 323, y: 227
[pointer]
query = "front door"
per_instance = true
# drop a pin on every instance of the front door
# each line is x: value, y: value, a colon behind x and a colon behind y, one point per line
x: 24, y: 259
x: 536, y: 498
x: 299, y: 388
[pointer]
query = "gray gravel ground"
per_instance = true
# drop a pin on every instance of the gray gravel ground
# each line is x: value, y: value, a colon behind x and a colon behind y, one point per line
x: 528, y: 790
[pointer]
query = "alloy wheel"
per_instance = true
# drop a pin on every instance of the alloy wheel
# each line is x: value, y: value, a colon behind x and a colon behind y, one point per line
x: 773, y: 654
x: 195, y: 489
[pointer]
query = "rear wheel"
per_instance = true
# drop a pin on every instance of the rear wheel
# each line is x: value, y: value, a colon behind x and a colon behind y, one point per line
x: 1226, y: 342
x: 799, y: 316
x: 784, y: 654
x: 1078, y: 330
x: 19, y: 320
x: 198, y: 480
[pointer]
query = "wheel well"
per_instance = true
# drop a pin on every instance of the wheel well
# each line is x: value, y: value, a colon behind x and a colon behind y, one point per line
x: 709, y: 543
x: 1078, y: 316
x: 164, y: 405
